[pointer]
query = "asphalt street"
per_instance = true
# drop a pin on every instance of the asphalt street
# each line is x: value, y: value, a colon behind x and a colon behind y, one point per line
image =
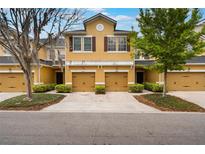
x: 101, y: 128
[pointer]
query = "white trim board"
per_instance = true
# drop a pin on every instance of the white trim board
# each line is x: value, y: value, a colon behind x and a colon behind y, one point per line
x: 12, y: 71
x: 37, y: 83
x: 186, y: 71
x: 116, y: 70
x: 195, y: 64
x: 99, y: 63
x: 82, y: 71
x: 101, y: 83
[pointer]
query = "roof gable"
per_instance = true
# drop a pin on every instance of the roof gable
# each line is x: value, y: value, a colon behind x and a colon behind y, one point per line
x: 100, y: 15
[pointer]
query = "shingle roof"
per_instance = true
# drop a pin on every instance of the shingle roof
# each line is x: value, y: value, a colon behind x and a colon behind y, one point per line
x: 59, y: 43
x: 7, y: 60
x: 11, y: 60
x: 198, y: 59
x: 144, y: 62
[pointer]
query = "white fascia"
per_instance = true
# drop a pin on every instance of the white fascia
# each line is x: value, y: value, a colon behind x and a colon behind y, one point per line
x: 99, y: 63
x: 186, y: 71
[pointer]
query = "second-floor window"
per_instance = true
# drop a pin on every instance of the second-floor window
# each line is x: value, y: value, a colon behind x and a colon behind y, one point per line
x: 77, y: 43
x: 116, y: 43
x: 82, y: 43
x: 111, y: 43
x: 87, y: 43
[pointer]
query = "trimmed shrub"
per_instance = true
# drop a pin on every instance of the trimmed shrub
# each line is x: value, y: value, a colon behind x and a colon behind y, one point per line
x: 62, y: 88
x: 155, y: 87
x: 51, y: 86
x: 136, y: 88
x: 40, y: 88
x: 99, y: 89
x: 148, y: 86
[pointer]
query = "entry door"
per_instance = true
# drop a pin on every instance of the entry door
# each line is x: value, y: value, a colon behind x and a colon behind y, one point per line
x: 140, y: 77
x: 59, y: 77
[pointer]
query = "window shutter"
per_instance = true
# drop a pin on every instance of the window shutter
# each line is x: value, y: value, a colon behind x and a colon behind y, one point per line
x: 94, y: 44
x: 71, y: 43
x: 105, y: 43
x: 128, y: 44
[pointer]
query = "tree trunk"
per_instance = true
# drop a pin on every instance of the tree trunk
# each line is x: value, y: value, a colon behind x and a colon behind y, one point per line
x: 28, y: 77
x: 165, y: 83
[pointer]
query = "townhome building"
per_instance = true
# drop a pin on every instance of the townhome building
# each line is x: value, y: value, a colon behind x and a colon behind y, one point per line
x: 98, y: 54
x: 12, y: 77
x: 192, y: 78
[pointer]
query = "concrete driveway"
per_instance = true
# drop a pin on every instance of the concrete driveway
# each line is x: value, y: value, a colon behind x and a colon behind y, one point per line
x: 197, y: 97
x: 4, y: 96
x: 115, y: 102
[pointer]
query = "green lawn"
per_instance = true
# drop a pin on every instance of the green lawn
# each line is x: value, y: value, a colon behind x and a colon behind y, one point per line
x: 169, y: 103
x: 38, y: 102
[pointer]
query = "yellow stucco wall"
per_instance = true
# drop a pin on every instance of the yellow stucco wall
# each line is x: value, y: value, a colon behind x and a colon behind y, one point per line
x: 99, y: 54
x: 47, y: 75
x: 1, y: 51
x: 10, y: 67
x: 43, y: 53
x: 151, y: 76
x: 100, y: 72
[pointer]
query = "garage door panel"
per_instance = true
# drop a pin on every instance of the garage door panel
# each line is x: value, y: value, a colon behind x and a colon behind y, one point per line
x: 12, y: 82
x: 83, y: 82
x: 116, y: 81
x: 186, y: 81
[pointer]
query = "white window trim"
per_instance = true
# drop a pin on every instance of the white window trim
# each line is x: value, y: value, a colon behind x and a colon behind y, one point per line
x: 116, y: 51
x: 117, y: 47
x: 56, y: 55
x: 82, y: 44
x: 48, y: 55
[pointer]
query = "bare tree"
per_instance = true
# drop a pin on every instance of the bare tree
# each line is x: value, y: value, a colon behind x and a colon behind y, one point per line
x: 21, y: 31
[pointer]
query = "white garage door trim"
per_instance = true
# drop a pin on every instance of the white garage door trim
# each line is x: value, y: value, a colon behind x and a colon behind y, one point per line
x: 187, y: 71
x: 12, y: 71
x: 76, y: 71
x: 116, y: 71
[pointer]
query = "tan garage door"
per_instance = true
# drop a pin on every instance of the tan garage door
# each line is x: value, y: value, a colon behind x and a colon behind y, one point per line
x: 186, y: 81
x: 116, y: 81
x: 83, y: 82
x: 12, y: 82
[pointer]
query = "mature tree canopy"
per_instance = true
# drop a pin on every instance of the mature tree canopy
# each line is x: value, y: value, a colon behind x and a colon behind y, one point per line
x: 21, y: 31
x: 169, y: 37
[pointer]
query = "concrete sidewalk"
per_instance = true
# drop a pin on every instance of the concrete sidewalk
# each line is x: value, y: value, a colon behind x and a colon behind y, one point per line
x: 196, y: 97
x: 115, y: 102
x: 4, y: 95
